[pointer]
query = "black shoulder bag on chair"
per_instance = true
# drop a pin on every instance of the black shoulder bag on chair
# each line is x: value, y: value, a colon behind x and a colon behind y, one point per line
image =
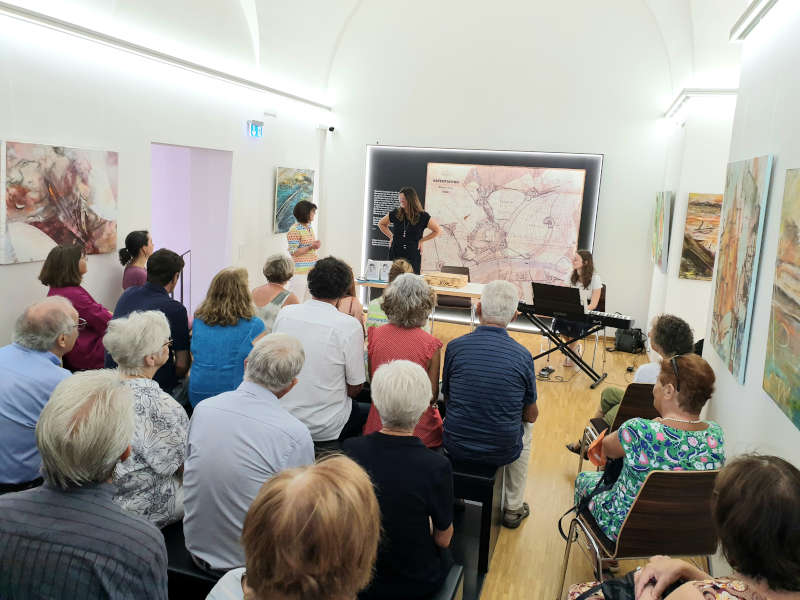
x: 610, y: 475
x: 622, y: 588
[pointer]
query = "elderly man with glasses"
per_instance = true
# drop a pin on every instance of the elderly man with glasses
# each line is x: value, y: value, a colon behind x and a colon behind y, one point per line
x: 30, y: 369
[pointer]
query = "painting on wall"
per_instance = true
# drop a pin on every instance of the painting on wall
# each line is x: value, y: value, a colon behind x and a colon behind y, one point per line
x: 700, y: 236
x: 743, y: 208
x: 291, y: 186
x: 57, y: 195
x: 659, y: 236
x: 782, y: 366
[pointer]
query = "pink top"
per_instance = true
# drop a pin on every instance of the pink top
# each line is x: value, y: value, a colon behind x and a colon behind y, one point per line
x: 390, y: 342
x: 88, y: 352
x: 133, y: 275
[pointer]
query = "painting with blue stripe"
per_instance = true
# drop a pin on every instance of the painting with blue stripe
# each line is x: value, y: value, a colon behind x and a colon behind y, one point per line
x: 291, y: 186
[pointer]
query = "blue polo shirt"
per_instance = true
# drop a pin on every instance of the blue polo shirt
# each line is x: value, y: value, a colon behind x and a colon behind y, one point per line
x: 488, y: 379
x: 154, y: 297
x: 27, y: 378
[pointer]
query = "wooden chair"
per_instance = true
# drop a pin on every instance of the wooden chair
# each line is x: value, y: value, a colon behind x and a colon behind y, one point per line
x: 670, y: 515
x: 636, y: 402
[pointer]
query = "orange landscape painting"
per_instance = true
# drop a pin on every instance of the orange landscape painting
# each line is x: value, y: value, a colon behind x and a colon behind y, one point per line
x: 700, y: 236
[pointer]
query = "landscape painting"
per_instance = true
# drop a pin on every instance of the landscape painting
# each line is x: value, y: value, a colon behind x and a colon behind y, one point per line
x: 659, y: 236
x: 743, y: 208
x: 782, y: 365
x: 700, y: 236
x: 57, y: 195
x: 291, y: 186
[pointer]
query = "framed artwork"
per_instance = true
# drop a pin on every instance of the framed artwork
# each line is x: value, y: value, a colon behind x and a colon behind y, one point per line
x: 782, y: 365
x: 659, y: 236
x: 291, y: 186
x: 700, y: 236
x: 743, y: 209
x: 57, y: 195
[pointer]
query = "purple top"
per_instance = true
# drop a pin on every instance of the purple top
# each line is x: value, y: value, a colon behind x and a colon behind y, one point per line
x: 88, y: 352
x: 132, y: 276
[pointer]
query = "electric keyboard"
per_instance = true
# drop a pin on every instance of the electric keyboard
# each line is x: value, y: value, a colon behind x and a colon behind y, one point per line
x: 594, y: 317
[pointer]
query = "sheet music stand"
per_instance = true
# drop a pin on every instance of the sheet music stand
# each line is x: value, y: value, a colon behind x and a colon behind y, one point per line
x: 564, y: 302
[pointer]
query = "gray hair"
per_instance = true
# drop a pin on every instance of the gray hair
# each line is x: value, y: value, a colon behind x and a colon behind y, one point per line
x: 278, y: 268
x: 39, y: 326
x: 401, y: 392
x: 130, y: 339
x: 499, y: 302
x: 408, y: 301
x: 275, y: 361
x: 85, y: 428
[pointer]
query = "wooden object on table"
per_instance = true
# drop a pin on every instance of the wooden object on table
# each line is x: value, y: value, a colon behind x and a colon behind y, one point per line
x: 451, y: 280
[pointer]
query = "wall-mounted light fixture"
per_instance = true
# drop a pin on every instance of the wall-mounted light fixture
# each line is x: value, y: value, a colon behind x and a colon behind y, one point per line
x: 750, y: 18
x: 686, y: 93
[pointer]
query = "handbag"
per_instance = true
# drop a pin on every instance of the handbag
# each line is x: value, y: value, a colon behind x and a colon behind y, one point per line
x: 607, y: 481
x: 621, y: 588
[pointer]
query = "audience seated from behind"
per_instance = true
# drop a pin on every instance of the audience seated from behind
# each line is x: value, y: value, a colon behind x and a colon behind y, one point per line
x: 224, y: 328
x: 375, y: 315
x: 149, y: 482
x: 311, y: 532
x: 414, y: 487
x: 237, y: 441
x: 349, y: 304
x: 489, y: 387
x: 63, y: 271
x: 756, y: 510
x: 163, y: 270
x: 270, y: 298
x: 68, y: 539
x: 333, y: 373
x: 138, y: 248
x: 669, y: 336
x: 30, y: 369
x: 408, y: 302
x: 677, y: 440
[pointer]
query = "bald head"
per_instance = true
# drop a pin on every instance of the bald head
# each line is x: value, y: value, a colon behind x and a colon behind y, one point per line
x: 48, y: 325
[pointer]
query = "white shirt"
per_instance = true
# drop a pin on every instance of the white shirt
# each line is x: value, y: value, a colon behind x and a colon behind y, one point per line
x: 586, y: 293
x: 229, y: 587
x: 647, y: 373
x: 334, y: 346
x: 237, y: 441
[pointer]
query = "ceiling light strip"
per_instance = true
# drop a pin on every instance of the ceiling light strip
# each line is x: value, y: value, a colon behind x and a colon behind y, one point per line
x: 687, y: 93
x: 751, y: 17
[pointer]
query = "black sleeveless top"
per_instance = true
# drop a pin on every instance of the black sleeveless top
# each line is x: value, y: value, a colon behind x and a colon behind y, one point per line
x: 407, y: 234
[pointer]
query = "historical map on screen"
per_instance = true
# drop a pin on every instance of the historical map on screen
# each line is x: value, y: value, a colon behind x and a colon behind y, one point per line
x: 519, y: 224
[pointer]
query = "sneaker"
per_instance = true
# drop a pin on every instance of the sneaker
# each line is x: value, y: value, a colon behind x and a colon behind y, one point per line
x: 512, y: 519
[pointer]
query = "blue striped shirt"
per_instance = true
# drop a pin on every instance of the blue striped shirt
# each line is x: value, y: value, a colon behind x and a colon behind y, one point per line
x: 488, y: 379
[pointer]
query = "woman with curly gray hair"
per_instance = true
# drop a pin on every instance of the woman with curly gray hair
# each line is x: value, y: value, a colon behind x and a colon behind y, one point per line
x: 408, y: 302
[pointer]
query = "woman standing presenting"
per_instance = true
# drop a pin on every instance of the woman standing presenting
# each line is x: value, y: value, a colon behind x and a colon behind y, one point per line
x: 409, y: 222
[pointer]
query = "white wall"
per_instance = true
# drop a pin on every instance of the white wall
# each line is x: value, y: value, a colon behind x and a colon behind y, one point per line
x: 766, y: 122
x: 567, y: 76
x: 61, y: 90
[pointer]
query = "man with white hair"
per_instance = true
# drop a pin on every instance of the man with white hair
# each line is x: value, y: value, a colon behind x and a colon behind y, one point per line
x: 68, y: 538
x: 30, y: 369
x: 489, y: 386
x: 237, y: 441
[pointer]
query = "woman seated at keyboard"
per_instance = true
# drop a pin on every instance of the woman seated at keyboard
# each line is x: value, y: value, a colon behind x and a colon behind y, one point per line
x: 590, y: 287
x: 678, y: 440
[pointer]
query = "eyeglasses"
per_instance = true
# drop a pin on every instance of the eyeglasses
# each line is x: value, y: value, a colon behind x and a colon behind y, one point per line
x: 81, y: 324
x: 674, y: 362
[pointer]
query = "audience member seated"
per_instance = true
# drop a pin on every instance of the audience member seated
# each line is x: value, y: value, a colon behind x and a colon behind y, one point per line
x: 408, y: 302
x: 677, y: 440
x: 63, y: 271
x: 224, y: 328
x: 311, y: 532
x: 30, y: 369
x: 349, y: 304
x: 68, y: 539
x: 163, y: 270
x: 237, y: 441
x: 756, y: 509
x: 414, y: 487
x: 375, y: 315
x: 669, y: 336
x: 489, y: 387
x: 333, y: 374
x: 149, y: 483
x: 270, y: 298
x: 138, y: 248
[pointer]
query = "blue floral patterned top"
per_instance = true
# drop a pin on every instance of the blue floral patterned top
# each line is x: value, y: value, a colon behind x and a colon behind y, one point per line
x: 649, y: 446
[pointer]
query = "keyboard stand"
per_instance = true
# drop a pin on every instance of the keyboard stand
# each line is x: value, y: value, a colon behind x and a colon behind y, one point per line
x: 563, y: 346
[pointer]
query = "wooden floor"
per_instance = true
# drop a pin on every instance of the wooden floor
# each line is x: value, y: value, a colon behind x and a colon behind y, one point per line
x: 527, y: 561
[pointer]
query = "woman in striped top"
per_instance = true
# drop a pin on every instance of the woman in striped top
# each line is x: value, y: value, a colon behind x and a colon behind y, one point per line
x: 303, y: 247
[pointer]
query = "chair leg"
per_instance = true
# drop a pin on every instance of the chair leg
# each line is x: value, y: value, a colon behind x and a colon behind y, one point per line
x: 570, y: 537
x: 583, y: 450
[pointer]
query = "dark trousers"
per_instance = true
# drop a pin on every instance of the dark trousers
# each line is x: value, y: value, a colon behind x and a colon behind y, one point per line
x: 353, y: 428
x: 410, y: 252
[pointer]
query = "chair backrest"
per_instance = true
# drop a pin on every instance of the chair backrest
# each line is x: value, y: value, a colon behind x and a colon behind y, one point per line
x: 455, y: 301
x: 601, y: 304
x: 670, y: 515
x: 636, y: 402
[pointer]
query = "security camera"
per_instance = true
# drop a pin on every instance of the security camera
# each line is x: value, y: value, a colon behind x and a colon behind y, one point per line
x: 331, y: 128
x: 324, y: 126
